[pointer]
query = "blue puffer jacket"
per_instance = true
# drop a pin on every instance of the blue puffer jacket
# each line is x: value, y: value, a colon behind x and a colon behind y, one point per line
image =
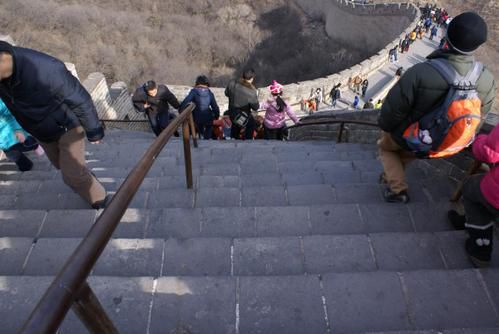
x: 45, y: 98
x: 206, y: 106
x: 8, y: 128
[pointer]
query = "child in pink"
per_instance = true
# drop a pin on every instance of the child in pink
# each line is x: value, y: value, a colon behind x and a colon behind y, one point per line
x: 481, y: 201
x: 275, y: 116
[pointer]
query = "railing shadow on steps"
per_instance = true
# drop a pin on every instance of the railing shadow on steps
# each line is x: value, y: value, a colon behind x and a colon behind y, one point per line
x: 70, y: 289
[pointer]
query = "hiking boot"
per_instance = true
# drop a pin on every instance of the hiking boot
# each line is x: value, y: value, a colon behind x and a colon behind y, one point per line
x: 24, y: 164
x: 479, y: 251
x: 392, y: 197
x: 457, y: 221
x: 102, y: 204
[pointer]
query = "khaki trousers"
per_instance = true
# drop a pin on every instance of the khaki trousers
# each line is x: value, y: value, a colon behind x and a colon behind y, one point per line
x: 394, y: 160
x: 68, y: 155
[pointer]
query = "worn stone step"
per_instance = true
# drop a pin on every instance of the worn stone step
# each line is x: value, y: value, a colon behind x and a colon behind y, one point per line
x: 234, y: 222
x: 172, y: 193
x: 374, y: 302
x: 256, y: 256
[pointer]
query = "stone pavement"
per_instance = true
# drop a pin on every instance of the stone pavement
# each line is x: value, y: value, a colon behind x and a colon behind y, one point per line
x: 276, y: 237
x: 379, y: 79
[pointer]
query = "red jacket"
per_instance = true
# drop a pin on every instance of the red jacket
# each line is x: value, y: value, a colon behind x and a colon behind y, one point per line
x: 486, y: 149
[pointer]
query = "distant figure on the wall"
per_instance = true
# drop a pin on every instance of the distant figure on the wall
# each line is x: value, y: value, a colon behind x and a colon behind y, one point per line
x: 393, y: 54
x: 356, y: 102
x: 154, y: 100
x: 399, y: 72
x: 357, y: 82
x: 369, y: 104
x: 335, y: 95
x: 318, y: 98
x: 365, y: 86
x: 434, y: 32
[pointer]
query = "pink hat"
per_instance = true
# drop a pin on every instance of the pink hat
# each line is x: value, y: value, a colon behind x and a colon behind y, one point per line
x: 275, y: 88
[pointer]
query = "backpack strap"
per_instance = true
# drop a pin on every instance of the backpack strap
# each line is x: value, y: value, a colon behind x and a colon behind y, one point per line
x: 453, y: 78
x: 474, y: 74
x: 446, y: 70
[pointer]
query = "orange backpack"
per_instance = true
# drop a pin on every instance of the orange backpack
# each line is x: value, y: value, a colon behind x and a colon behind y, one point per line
x: 452, y: 126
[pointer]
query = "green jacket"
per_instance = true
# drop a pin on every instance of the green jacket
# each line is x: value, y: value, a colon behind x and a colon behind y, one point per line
x: 422, y: 89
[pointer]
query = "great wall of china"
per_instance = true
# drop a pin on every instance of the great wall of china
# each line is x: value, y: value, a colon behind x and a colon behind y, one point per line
x: 113, y: 101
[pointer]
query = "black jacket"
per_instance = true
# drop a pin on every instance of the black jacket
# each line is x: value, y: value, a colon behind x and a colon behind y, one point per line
x: 159, y: 103
x: 242, y: 96
x: 45, y: 98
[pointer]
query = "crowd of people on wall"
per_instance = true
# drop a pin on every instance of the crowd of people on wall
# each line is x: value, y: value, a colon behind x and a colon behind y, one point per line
x: 238, y: 122
x: 433, y: 111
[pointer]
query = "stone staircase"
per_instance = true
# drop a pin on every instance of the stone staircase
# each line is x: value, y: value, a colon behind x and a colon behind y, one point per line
x: 276, y: 237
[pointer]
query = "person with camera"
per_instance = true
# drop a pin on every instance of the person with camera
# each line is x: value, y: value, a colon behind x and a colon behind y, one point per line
x: 155, y: 100
x: 243, y: 100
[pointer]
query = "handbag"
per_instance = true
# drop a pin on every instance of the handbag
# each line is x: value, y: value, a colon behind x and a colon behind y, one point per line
x: 241, y: 118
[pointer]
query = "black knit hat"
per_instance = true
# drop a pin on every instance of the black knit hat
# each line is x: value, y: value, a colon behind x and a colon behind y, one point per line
x: 467, y: 32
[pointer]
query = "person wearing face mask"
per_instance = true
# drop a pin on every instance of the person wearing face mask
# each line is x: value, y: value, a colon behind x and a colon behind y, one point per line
x: 276, y: 110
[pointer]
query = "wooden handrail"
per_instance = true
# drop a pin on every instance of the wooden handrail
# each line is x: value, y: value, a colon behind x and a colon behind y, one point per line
x: 70, y: 283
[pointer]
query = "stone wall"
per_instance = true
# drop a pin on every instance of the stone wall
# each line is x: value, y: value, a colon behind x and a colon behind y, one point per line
x: 354, y: 133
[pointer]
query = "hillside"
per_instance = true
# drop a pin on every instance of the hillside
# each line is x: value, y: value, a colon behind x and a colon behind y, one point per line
x: 173, y: 42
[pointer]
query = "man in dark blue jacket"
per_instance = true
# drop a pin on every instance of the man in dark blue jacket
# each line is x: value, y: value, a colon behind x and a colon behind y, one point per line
x: 206, y: 110
x: 155, y: 100
x: 52, y: 105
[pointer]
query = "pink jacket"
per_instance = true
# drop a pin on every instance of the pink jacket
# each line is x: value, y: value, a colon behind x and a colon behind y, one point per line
x: 486, y: 149
x: 275, y: 119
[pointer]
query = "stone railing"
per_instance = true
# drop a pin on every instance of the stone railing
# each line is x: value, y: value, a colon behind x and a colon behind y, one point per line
x: 355, y: 133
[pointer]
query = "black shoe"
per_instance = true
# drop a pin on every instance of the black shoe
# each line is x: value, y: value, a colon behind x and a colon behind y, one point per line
x: 24, y: 164
x: 456, y: 220
x: 102, y: 204
x: 479, y: 252
x: 391, y: 197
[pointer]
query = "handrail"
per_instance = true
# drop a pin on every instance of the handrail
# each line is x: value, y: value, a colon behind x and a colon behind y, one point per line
x: 70, y: 285
x: 340, y: 121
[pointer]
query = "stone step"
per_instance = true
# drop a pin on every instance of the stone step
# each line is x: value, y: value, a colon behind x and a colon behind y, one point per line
x: 255, y: 256
x: 213, y: 197
x: 373, y: 302
x: 247, y: 190
x: 234, y: 222
x: 168, y: 173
